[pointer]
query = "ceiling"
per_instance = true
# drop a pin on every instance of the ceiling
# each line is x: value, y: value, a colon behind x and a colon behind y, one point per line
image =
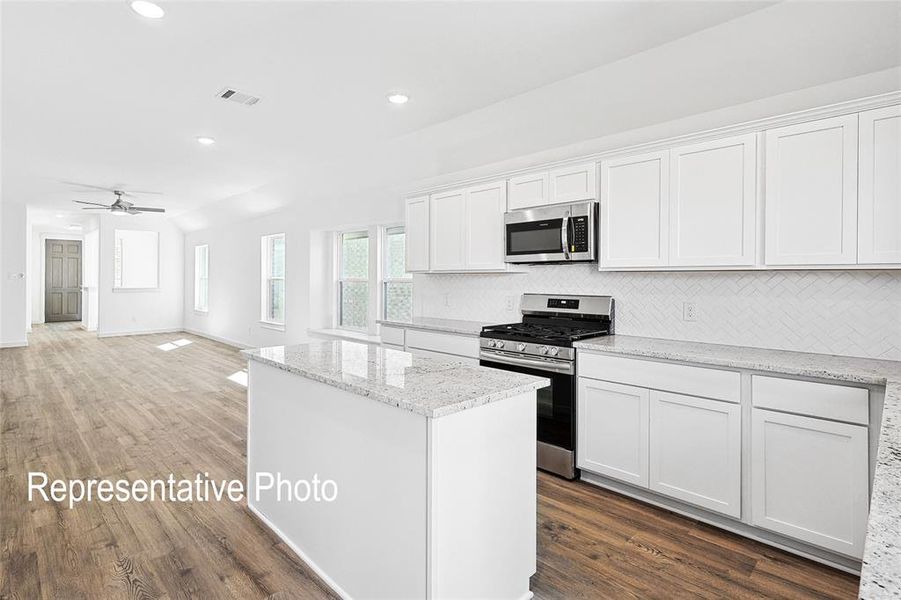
x: 92, y: 92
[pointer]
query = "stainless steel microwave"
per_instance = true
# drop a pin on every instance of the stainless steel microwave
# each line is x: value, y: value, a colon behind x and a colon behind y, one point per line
x: 556, y: 233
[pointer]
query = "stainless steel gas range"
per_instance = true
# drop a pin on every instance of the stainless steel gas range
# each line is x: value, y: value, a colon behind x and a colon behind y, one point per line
x: 542, y: 345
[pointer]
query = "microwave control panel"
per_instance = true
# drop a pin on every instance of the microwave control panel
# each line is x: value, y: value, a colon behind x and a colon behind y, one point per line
x: 579, y: 237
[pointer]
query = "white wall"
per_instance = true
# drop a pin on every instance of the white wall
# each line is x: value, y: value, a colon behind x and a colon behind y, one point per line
x: 90, y: 314
x: 13, y: 267
x: 234, y: 302
x: 131, y: 312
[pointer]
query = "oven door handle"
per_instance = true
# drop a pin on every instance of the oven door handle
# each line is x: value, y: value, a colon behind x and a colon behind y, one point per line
x: 564, y: 234
x: 564, y: 367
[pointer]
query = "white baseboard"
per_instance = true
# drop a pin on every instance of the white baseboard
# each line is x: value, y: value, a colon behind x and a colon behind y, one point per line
x: 14, y: 344
x: 216, y: 338
x: 300, y: 553
x: 143, y: 332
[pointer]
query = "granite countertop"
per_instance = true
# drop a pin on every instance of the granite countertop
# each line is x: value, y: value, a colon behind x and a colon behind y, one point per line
x: 881, y: 573
x: 435, y: 324
x: 431, y: 387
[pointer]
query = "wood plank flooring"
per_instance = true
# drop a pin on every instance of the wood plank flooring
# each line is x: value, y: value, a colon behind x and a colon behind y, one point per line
x: 75, y: 406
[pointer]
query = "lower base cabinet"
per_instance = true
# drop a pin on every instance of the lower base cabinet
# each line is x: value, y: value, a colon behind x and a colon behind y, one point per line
x: 612, y: 437
x: 695, y: 451
x: 810, y: 479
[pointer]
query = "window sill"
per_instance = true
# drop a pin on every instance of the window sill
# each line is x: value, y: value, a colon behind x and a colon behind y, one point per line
x: 345, y: 334
x: 201, y: 313
x: 273, y: 326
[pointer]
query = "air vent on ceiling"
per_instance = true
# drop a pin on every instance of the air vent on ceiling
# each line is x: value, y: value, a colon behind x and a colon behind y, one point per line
x: 233, y: 95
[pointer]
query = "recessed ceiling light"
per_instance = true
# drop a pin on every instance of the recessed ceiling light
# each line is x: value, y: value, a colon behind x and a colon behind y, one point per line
x: 60, y: 216
x: 398, y: 98
x: 206, y: 141
x: 147, y: 9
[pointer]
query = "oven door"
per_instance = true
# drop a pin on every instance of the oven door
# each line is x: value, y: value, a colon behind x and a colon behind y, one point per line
x: 556, y: 407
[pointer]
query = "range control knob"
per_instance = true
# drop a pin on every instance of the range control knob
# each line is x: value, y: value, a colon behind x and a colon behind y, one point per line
x: 543, y: 349
x: 499, y: 344
x: 520, y: 347
x: 491, y: 343
x: 554, y: 351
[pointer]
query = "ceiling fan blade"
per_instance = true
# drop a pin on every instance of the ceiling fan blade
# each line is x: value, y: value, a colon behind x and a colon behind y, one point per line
x: 85, y: 185
x: 129, y: 192
x: 92, y: 208
x: 94, y: 203
x: 147, y: 209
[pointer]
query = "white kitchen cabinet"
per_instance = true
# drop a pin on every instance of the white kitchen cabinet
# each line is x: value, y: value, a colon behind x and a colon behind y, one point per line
x: 809, y: 479
x: 635, y: 211
x: 811, y: 193
x: 573, y: 183
x: 612, y: 435
x: 417, y: 234
x: 447, y: 239
x: 712, y: 216
x: 879, y: 202
x: 695, y: 451
x: 484, y: 226
x: 528, y: 190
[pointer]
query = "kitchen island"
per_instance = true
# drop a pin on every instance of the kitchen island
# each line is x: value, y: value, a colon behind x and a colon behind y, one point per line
x: 433, y: 464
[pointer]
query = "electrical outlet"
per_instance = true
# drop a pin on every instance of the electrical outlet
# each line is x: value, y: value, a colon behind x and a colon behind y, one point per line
x: 510, y: 303
x: 689, y: 311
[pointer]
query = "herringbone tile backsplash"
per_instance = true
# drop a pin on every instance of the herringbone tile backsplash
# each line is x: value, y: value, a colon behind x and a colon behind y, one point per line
x: 855, y: 313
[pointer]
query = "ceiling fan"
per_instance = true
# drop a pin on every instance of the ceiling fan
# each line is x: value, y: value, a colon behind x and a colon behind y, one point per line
x: 120, y: 206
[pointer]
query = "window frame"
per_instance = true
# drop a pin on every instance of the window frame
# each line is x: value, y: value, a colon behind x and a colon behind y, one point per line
x: 266, y: 278
x: 199, y: 279
x: 384, y: 279
x: 118, y: 263
x: 339, y: 280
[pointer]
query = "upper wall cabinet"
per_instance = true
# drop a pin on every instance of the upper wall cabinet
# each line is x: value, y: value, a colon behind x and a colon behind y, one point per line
x: 484, y: 226
x: 447, y: 239
x: 417, y: 233
x: 572, y: 183
x: 635, y: 211
x: 528, y: 190
x: 713, y: 190
x: 467, y: 228
x: 811, y: 193
x: 879, y: 202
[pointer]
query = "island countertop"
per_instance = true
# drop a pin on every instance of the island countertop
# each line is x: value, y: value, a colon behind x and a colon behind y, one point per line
x: 427, y: 386
x: 881, y: 573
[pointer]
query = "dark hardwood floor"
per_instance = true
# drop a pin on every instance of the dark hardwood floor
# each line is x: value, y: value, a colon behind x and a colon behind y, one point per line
x: 74, y: 406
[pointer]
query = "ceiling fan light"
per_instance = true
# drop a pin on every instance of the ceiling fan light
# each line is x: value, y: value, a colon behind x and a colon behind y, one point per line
x: 147, y: 9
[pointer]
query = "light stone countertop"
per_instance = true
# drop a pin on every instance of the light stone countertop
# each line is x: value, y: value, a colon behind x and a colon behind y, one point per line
x: 431, y: 387
x: 435, y: 324
x: 881, y: 573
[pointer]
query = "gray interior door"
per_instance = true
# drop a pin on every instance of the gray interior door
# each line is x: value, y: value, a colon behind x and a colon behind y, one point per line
x: 62, y: 281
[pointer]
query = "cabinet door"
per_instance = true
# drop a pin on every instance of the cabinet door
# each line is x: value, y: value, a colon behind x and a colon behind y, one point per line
x: 713, y: 203
x: 447, y: 216
x: 417, y: 231
x: 528, y: 190
x: 574, y: 183
x: 613, y: 430
x: 695, y: 453
x: 811, y: 193
x: 879, y: 205
x: 809, y: 479
x: 485, y: 206
x: 635, y: 211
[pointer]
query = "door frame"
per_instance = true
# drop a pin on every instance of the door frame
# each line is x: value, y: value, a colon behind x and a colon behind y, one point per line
x: 43, y: 237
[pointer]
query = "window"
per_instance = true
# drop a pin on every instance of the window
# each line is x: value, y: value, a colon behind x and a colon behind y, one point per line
x: 397, y: 284
x: 202, y: 278
x: 353, y: 279
x: 137, y: 260
x: 273, y: 270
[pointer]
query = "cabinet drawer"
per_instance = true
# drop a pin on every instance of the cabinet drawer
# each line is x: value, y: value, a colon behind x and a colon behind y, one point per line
x: 694, y: 381
x: 823, y: 400
x: 443, y: 342
x: 392, y: 335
